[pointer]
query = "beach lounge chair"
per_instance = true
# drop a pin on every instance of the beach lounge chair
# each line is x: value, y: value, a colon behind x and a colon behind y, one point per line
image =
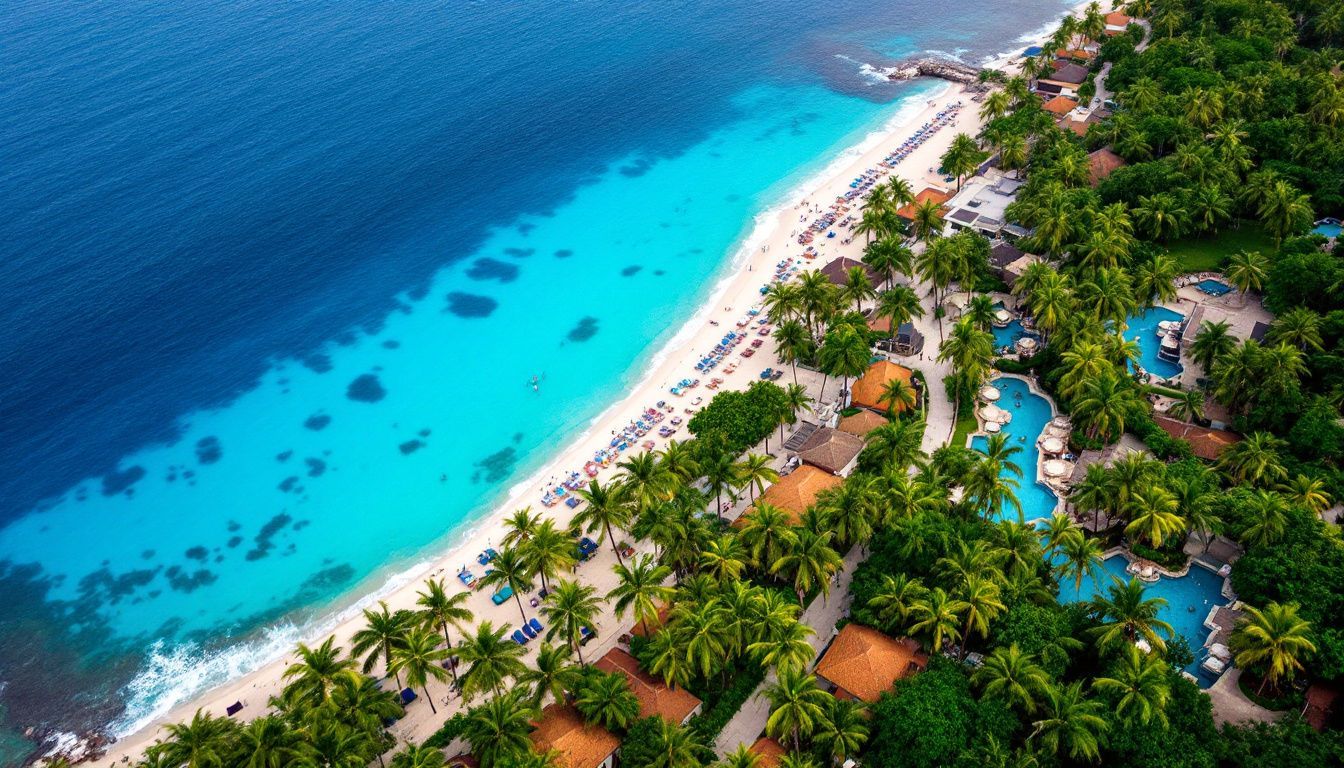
x: 535, y: 625
x: 466, y: 578
x: 504, y: 594
x: 529, y: 631
x: 519, y: 637
x: 407, y: 696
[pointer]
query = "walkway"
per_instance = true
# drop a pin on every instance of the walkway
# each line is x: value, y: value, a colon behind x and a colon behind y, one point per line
x: 1230, y: 705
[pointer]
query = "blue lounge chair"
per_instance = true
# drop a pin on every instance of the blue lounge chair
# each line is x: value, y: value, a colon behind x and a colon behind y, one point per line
x: 529, y: 631
x: 535, y: 625
x: 407, y: 696
x: 519, y: 637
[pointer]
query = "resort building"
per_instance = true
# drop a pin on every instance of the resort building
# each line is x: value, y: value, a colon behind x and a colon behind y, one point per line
x: 861, y: 423
x: 561, y: 728
x: 938, y: 196
x: 907, y: 340
x: 862, y: 663
x: 837, y: 271
x: 1102, y: 163
x: 981, y: 207
x: 797, y: 491
x: 1117, y: 22
x: 867, y: 391
x: 1064, y: 81
x: 1060, y: 105
x: 769, y: 752
x: 1206, y: 443
x: 830, y: 450
x: 675, y: 705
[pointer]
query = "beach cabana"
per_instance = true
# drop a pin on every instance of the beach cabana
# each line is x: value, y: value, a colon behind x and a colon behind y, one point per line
x: 866, y: 392
x: 675, y: 705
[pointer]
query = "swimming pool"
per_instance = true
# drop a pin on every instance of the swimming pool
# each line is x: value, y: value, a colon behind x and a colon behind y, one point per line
x: 1189, y: 600
x: 1143, y: 328
x: 1009, y: 334
x: 1327, y: 227
x: 1213, y: 287
x: 1031, y: 413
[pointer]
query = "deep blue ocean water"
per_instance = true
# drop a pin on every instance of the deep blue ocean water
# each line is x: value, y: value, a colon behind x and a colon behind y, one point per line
x: 273, y: 279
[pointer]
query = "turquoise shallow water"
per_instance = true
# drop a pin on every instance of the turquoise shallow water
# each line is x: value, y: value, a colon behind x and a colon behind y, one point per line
x: 1189, y: 600
x: 1031, y: 413
x: 1143, y: 328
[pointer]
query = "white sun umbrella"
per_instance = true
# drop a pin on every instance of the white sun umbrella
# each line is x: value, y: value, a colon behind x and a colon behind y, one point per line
x: 1055, y: 468
x: 992, y: 427
x: 1026, y: 344
x: 994, y: 413
x: 990, y: 393
x: 1052, y: 445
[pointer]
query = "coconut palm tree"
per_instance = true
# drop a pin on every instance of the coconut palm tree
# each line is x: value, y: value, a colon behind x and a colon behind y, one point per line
x: 382, y: 632
x: 1274, y: 640
x: 754, y: 472
x: 858, y: 288
x: 797, y: 707
x: 552, y: 673
x: 1213, y: 341
x: 766, y: 533
x: 850, y: 510
x: 783, y: 302
x: 810, y: 561
x: 1095, y: 493
x: 1012, y: 677
x: 1307, y: 492
x: 970, y: 351
x: 1070, y: 723
x: 316, y: 672
x: 896, y: 444
x: 937, y: 617
x: 513, y: 569
x: 647, y: 480
x: 1141, y: 680
x: 498, y: 730
x: 1188, y: 406
x: 792, y: 343
x: 899, y: 304
x: 996, y: 105
x: 1298, y: 327
x: 492, y: 658
x: 269, y: 742
x: 1153, y: 515
x: 1284, y: 210
x: 982, y: 603
x: 205, y: 742
x: 1160, y: 215
x: 678, y: 458
x: 843, y: 731
x: 607, y: 507
x: 667, y: 660
x: 674, y: 747
x: 605, y: 699
x: 1013, y: 152
x: 720, y: 475
x: 1080, y: 556
x: 569, y: 608
x: 1105, y: 405
x: 723, y: 559
x: 927, y: 220
x: 784, y: 647
x: 1128, y: 615
x: 844, y: 353
x: 1254, y: 460
x: 519, y: 527
x: 796, y: 400
x: 419, y: 757
x: 895, y: 600
x: 550, y: 552
x: 420, y: 657
x: 1265, y: 517
x: 1247, y: 271
x: 888, y: 256
x: 641, y: 588
x: 962, y: 158
x: 438, y: 609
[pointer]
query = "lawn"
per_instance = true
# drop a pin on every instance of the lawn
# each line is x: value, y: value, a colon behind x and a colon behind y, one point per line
x: 965, y: 426
x: 1203, y: 254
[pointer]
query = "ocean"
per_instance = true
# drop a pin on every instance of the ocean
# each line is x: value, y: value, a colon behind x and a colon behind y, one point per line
x: 274, y: 279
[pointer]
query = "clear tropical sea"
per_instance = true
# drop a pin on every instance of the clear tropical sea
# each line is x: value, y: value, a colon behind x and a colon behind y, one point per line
x: 274, y: 278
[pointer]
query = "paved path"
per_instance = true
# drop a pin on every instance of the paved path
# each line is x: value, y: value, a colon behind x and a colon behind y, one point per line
x: 821, y: 616
x: 1230, y: 705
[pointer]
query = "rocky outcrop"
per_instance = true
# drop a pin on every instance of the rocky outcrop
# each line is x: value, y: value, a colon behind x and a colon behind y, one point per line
x: 946, y: 69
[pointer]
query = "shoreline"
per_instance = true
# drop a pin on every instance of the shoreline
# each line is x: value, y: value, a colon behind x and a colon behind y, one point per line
x: 765, y: 241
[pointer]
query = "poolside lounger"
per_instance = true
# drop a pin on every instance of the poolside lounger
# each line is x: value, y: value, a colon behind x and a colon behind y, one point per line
x: 519, y: 637
x: 535, y: 625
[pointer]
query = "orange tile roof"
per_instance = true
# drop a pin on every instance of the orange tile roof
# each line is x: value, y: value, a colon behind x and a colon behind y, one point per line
x: 1204, y: 442
x: 1078, y: 127
x: 1117, y: 19
x: 580, y: 745
x: 938, y: 196
x: 1060, y: 105
x: 1103, y: 162
x: 770, y: 752
x: 797, y: 491
x: 867, y: 391
x: 861, y: 423
x: 865, y: 663
x: 655, y: 698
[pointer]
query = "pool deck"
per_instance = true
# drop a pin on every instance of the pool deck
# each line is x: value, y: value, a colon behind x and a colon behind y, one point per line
x: 1239, y: 311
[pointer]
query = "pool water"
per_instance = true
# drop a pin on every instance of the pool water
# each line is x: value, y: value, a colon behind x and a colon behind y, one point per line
x: 1143, y: 328
x: 1189, y: 600
x: 1213, y: 287
x: 1031, y: 413
x: 1009, y: 334
x: 1329, y: 230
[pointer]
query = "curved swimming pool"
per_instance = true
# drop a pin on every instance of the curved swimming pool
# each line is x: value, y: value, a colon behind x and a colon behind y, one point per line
x: 1031, y: 413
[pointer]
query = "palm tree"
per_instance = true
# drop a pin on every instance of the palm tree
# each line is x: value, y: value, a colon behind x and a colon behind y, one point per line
x: 1071, y: 723
x: 899, y: 395
x: 1266, y: 518
x: 1284, y: 210
x: 755, y: 472
x: 551, y: 673
x: 1080, y: 556
x: 1160, y: 215
x: 900, y: 304
x: 720, y: 476
x: 1013, y: 152
x: 1247, y: 270
x: 1254, y: 460
x: 419, y: 757
x: 850, y: 510
x: 792, y: 342
x: 963, y: 156
x: 723, y: 559
x: 1273, y: 639
x: 797, y: 707
x: 981, y: 602
x: 641, y: 587
x: 796, y: 400
x: 675, y: 747
x: 857, y: 288
x: 605, y: 699
x: 811, y: 561
x: 766, y: 533
x: 1153, y: 515
x: 679, y: 460
x: 550, y: 552
x: 383, y: 631
x: 1308, y: 493
x: 896, y: 444
x: 1211, y: 342
x: 607, y: 507
x: 492, y: 658
x: 844, y: 353
x: 205, y: 742
x: 421, y: 658
x: 996, y: 105
x: 668, y: 660
x: 784, y: 647
x: 927, y: 220
x: 1298, y: 327
x: 514, y: 570
x: 269, y: 742
x: 1013, y: 677
x: 887, y: 256
x: 498, y: 730
x: 1142, y: 95
x: 970, y: 351
x: 439, y: 609
x: 843, y: 731
x: 1105, y: 405
x: 1189, y: 406
x: 569, y: 608
x: 1141, y: 681
x: 316, y: 672
x: 1127, y: 615
x: 647, y: 479
x: 937, y: 617
x: 519, y: 527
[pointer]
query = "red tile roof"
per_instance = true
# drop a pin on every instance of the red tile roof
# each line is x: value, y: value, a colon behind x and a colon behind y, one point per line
x: 865, y: 663
x: 580, y: 745
x: 1060, y: 105
x: 655, y: 698
x: 1204, y: 442
x: 938, y: 196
